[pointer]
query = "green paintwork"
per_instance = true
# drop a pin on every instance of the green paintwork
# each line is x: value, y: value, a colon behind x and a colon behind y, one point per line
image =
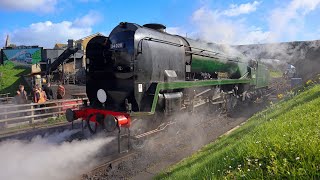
x: 204, y: 64
x: 262, y: 76
x: 187, y: 84
x: 211, y: 65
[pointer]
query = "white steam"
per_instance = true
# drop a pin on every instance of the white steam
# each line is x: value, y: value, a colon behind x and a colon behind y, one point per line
x: 48, y: 158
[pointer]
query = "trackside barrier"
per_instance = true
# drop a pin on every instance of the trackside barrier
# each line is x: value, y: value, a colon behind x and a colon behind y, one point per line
x: 14, y: 115
x: 5, y: 98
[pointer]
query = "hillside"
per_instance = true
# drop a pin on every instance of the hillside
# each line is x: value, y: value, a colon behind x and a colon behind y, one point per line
x: 11, y: 77
x: 281, y: 142
x: 304, y: 55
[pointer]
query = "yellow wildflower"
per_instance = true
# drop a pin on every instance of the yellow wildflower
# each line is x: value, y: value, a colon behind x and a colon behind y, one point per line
x: 309, y: 82
x: 280, y: 96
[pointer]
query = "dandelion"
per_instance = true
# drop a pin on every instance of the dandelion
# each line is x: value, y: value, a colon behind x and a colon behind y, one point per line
x: 280, y: 96
x: 230, y: 167
x: 297, y: 158
x: 239, y: 165
x: 256, y: 160
x: 260, y: 164
x: 309, y: 82
x: 248, y: 170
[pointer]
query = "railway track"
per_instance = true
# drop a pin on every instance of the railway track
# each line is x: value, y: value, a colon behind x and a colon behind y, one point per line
x: 106, y: 165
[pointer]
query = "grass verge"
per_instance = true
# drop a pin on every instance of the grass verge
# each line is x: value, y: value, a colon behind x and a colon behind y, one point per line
x: 281, y: 142
x: 11, y: 77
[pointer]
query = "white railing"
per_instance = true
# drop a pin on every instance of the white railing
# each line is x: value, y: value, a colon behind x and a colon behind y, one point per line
x: 14, y: 115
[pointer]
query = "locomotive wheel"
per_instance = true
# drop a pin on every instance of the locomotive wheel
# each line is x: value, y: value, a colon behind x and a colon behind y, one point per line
x: 137, y: 129
x: 93, y: 130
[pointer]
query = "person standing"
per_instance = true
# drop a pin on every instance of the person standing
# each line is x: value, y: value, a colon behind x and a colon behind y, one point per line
x: 40, y: 95
x: 61, y: 92
x: 22, y: 95
x: 21, y: 98
x: 47, y: 89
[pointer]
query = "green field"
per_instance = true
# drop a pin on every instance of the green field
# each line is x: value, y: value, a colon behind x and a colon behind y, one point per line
x: 281, y: 142
x: 11, y: 77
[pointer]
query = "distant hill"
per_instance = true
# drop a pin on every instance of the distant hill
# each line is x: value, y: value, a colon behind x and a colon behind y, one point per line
x: 304, y: 55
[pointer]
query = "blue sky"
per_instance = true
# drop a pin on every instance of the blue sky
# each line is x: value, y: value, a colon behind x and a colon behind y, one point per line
x: 46, y: 22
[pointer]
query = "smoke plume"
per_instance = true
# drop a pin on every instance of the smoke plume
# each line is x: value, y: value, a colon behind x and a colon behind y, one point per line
x: 48, y: 157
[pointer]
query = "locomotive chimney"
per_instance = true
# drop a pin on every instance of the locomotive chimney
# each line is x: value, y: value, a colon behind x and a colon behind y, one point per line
x: 158, y: 27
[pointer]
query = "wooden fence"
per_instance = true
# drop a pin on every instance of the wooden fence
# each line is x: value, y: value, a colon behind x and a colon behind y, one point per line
x: 14, y: 115
x: 5, y: 98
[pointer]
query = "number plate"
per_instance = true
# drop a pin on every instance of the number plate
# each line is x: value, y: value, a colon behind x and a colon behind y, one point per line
x: 117, y: 46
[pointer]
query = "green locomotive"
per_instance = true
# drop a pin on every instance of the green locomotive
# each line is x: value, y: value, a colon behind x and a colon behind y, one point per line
x: 141, y: 70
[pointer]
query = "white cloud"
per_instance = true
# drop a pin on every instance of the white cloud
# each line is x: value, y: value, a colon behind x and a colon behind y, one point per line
x: 176, y: 30
x: 87, y: 1
x: 236, y: 10
x: 288, y: 21
x: 48, y: 33
x: 29, y: 5
x: 214, y: 26
x: 90, y: 19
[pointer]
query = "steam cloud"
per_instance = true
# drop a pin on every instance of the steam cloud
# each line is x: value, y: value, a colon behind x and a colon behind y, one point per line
x: 48, y: 157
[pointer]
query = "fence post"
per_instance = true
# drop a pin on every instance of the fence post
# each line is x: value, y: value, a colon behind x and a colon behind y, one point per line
x: 7, y: 98
x: 32, y: 114
x: 60, y: 108
x: 6, y: 117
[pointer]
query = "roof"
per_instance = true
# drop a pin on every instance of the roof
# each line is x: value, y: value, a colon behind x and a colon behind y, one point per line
x: 90, y: 36
x: 60, y: 46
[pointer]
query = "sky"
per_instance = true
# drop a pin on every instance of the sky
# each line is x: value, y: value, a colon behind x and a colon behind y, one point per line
x: 46, y: 22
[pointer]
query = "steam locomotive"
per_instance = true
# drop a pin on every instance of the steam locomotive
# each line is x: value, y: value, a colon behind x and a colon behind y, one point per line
x: 139, y: 71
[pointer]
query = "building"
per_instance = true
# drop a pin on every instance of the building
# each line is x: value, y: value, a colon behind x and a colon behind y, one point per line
x: 60, y: 46
x: 74, y: 66
x: 84, y: 42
